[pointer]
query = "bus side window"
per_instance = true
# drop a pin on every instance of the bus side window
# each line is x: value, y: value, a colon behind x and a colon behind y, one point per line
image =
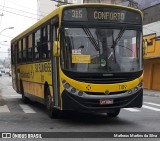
x: 24, y: 54
x: 46, y: 42
x: 37, y: 45
x: 19, y: 51
x: 13, y: 54
x: 30, y: 44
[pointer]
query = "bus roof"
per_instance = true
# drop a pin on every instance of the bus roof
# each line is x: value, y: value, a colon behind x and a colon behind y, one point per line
x: 58, y: 11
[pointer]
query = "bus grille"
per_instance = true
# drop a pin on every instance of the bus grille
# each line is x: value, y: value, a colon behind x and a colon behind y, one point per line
x: 105, y: 80
x: 111, y: 93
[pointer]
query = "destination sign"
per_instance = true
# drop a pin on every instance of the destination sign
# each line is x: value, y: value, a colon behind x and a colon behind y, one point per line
x: 102, y: 14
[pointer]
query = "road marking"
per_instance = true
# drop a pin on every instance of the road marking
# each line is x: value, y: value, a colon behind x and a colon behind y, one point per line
x: 4, y: 109
x: 26, y: 108
x: 15, y: 96
x: 131, y: 109
x: 152, y: 103
x: 151, y: 108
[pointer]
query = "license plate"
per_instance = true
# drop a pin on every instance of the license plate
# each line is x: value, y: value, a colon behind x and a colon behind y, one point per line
x: 106, y: 101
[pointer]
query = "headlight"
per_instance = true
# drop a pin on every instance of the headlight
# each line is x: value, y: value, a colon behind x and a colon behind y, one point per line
x: 67, y: 86
x: 140, y: 84
x: 80, y: 93
x: 135, y: 89
x: 130, y: 92
x: 71, y: 89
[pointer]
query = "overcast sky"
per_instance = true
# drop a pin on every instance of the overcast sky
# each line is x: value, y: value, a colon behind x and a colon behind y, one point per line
x: 19, y: 14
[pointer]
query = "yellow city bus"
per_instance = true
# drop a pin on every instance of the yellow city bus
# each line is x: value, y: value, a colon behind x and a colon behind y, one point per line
x: 85, y: 57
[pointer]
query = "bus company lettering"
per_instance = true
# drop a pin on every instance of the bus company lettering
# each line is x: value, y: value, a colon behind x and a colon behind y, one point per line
x: 25, y: 74
x: 43, y: 67
x: 113, y: 16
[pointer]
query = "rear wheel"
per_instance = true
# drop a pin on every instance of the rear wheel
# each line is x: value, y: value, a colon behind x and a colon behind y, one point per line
x: 24, y: 98
x: 114, y: 114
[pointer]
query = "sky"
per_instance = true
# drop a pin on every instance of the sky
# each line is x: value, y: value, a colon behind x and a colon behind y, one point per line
x: 19, y: 14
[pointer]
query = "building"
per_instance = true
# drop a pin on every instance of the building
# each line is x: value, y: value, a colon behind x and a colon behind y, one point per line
x: 151, y: 20
x: 152, y: 62
x: 147, y: 3
x: 151, y: 30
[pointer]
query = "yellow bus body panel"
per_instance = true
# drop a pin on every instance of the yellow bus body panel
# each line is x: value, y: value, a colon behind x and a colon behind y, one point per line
x: 100, y: 88
x: 34, y: 77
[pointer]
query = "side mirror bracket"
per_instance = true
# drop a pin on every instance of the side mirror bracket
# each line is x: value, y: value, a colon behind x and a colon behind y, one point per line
x: 56, y: 49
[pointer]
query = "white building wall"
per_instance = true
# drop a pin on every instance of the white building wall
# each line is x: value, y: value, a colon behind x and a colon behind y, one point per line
x: 152, y: 28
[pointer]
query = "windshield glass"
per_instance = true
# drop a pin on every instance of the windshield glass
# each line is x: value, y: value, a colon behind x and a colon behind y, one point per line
x: 100, y: 50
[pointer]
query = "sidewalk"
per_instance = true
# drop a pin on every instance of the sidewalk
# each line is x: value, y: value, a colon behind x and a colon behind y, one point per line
x: 154, y: 93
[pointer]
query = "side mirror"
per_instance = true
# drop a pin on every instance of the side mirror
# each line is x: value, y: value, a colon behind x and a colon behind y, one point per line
x: 56, y: 49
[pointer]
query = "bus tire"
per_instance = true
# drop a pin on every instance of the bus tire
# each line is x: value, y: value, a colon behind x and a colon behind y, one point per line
x: 24, y: 98
x: 114, y: 114
x: 49, y: 104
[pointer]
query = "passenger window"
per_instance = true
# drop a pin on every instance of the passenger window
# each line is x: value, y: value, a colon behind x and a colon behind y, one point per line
x: 19, y: 51
x: 24, y: 52
x: 46, y: 42
x: 37, y: 46
x: 30, y: 41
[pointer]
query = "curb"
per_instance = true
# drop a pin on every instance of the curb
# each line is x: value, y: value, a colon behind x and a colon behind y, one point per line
x: 151, y: 93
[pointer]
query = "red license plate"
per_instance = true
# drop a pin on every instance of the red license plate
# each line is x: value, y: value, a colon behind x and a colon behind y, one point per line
x: 106, y: 101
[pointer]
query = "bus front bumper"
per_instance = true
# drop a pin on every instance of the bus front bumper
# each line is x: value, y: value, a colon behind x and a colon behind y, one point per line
x: 76, y: 103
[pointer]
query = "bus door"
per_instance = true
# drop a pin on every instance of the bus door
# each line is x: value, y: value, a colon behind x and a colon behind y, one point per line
x: 14, y: 68
x: 55, y: 66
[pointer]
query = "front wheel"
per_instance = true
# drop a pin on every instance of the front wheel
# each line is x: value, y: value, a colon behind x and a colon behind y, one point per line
x: 114, y: 113
x: 52, y: 112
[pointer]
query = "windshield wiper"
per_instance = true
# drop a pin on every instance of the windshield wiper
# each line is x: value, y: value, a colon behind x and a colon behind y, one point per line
x: 91, y: 38
x: 118, y: 37
x: 117, y: 40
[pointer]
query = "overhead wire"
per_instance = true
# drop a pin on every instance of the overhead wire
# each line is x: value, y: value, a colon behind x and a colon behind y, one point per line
x: 3, y: 52
x: 6, y: 36
x: 20, y: 14
x: 21, y: 10
x: 2, y: 12
x: 25, y: 6
x: 4, y: 44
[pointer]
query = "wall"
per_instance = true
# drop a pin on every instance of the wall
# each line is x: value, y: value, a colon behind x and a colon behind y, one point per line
x: 153, y: 46
x: 152, y: 62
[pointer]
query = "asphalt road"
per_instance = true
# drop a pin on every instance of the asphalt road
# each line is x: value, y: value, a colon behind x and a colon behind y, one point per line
x: 18, y: 117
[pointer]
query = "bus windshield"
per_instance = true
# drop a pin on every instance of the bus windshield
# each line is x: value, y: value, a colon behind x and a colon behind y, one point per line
x: 101, y: 50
